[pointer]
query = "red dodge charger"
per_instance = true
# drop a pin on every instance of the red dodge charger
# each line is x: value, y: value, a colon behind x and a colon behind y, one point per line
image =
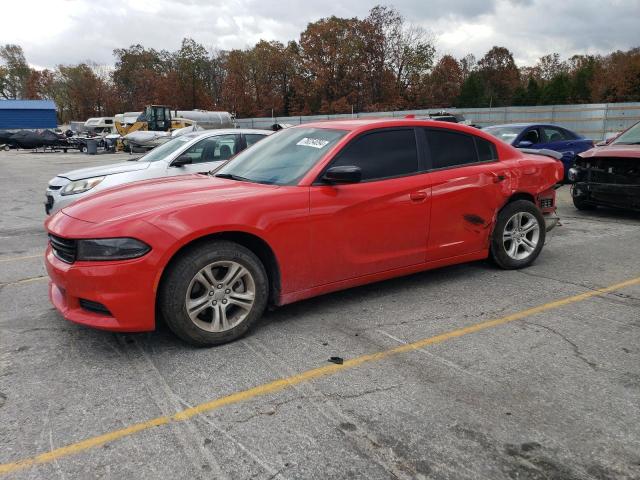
x: 310, y: 210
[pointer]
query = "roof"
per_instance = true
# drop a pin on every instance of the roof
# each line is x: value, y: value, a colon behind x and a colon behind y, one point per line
x: 363, y: 124
x: 27, y: 105
x: 524, y: 125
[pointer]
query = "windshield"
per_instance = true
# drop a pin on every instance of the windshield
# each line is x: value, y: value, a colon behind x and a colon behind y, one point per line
x: 163, y: 151
x: 630, y: 137
x: 506, y: 134
x: 282, y: 158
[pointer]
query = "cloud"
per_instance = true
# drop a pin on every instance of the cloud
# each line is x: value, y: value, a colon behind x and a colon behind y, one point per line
x: 69, y: 31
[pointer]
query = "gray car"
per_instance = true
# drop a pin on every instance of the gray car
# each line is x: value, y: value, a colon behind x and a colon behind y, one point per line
x: 196, y: 152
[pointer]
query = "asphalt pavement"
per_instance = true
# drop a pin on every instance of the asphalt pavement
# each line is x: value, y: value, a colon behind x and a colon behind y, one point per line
x: 466, y: 372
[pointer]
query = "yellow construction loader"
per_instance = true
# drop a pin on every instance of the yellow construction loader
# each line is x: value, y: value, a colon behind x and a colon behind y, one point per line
x: 155, y: 118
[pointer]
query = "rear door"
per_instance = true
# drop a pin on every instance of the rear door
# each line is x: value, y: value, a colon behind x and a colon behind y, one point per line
x: 379, y: 223
x: 468, y: 185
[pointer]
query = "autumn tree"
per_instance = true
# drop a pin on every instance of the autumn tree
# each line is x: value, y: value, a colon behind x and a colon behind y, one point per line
x: 332, y: 55
x: 191, y: 68
x: 138, y: 75
x: 445, y: 82
x: 618, y: 78
x: 500, y: 75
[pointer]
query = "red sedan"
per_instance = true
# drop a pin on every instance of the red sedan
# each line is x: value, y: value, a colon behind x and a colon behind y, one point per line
x: 310, y: 210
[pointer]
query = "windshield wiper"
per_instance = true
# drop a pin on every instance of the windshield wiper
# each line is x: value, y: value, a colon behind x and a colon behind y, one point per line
x: 231, y: 176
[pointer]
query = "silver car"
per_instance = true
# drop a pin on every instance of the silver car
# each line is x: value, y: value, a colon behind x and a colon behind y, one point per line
x: 196, y: 152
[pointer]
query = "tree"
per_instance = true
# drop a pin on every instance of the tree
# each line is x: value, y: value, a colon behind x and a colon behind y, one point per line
x: 550, y: 66
x: 467, y: 65
x: 557, y: 91
x: 191, y: 66
x: 15, y: 73
x: 138, y: 75
x: 617, y: 79
x: 500, y: 75
x: 445, y: 81
x: 332, y: 51
x: 472, y: 92
x: 582, y: 69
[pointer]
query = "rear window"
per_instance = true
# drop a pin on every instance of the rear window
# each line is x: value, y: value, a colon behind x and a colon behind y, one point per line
x: 486, y: 150
x: 450, y: 149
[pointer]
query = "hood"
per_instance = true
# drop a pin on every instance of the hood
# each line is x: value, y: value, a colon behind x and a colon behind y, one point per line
x: 104, y: 170
x: 623, y: 151
x: 152, y: 197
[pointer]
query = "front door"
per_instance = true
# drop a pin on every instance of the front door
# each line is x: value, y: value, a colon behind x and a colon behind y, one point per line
x: 378, y: 224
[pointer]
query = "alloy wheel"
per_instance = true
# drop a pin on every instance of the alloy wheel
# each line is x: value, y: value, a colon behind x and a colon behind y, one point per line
x: 521, y: 235
x: 220, y: 296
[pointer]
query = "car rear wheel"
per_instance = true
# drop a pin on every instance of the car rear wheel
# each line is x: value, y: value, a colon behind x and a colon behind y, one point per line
x: 519, y: 235
x: 214, y: 293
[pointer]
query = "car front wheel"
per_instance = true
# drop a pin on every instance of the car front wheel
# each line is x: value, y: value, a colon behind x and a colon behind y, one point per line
x: 213, y: 293
x: 580, y: 204
x: 519, y: 235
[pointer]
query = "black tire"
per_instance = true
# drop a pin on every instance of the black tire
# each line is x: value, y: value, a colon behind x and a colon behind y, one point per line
x: 580, y: 204
x: 499, y: 252
x: 172, y: 295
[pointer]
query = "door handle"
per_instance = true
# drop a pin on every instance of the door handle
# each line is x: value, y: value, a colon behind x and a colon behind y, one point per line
x: 498, y: 177
x: 418, y: 196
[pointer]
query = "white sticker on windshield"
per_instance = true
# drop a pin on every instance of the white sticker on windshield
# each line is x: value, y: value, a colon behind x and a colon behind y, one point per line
x: 313, y: 142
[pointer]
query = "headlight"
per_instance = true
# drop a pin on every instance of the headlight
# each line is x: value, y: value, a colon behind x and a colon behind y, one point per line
x: 111, y: 249
x: 81, y: 186
x: 573, y: 174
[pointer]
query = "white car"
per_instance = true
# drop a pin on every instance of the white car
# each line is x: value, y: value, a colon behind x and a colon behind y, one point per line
x: 197, y: 152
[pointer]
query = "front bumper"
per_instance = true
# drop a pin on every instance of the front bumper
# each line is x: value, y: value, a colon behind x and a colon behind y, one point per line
x: 125, y: 289
x: 608, y: 194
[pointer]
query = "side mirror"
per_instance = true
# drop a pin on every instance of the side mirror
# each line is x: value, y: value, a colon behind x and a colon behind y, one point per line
x: 181, y: 161
x: 345, y: 174
x: 524, y: 144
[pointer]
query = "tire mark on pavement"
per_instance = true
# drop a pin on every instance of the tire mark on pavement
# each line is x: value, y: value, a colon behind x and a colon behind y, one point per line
x: 168, y: 402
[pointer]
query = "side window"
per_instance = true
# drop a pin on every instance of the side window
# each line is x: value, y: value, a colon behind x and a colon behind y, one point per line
x: 213, y: 149
x: 383, y: 154
x: 486, y: 150
x: 532, y: 136
x: 450, y: 149
x: 554, y: 135
x: 253, y: 138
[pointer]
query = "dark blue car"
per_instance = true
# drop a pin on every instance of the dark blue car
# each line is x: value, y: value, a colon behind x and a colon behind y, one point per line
x: 538, y: 136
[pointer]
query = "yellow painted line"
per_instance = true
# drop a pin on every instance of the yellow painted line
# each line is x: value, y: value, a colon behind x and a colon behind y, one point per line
x: 26, y: 257
x: 284, y: 383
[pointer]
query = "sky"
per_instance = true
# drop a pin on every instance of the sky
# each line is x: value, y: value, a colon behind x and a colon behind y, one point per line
x: 54, y: 32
